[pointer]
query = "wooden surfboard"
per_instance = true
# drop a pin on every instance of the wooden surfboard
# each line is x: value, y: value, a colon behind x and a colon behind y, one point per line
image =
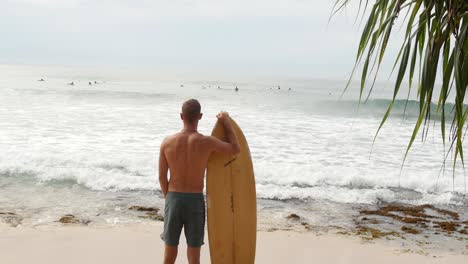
x: 231, y: 203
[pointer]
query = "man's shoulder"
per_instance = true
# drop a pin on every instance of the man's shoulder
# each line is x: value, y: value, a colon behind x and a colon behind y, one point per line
x: 203, y: 137
x: 169, y: 139
x: 207, y: 141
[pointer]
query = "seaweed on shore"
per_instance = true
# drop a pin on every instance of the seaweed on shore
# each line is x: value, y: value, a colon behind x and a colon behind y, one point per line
x: 374, y: 232
x: 447, y: 226
x: 411, y: 214
x: 447, y: 221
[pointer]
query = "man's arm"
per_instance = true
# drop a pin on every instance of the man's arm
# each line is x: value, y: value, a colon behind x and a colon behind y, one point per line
x: 163, y: 168
x: 232, y: 146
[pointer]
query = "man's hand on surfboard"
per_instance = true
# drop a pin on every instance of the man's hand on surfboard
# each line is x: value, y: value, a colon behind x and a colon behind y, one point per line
x: 232, y: 147
x: 223, y: 116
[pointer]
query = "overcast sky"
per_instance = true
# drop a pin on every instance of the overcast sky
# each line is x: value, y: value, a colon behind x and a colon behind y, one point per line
x: 291, y: 38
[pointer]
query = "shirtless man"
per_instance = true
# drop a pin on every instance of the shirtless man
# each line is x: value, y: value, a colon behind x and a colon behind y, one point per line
x: 185, y: 155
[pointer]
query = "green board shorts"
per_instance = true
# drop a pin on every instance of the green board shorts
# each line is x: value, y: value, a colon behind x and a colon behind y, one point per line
x: 185, y: 210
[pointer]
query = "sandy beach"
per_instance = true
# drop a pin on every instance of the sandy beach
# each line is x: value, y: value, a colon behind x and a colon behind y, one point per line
x: 140, y: 243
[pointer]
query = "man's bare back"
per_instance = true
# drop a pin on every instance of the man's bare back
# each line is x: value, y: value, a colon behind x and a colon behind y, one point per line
x: 187, y: 154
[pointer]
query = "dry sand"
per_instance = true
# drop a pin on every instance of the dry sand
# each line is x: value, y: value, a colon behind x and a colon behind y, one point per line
x: 141, y: 244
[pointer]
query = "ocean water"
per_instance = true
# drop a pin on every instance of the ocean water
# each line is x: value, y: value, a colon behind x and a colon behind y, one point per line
x: 92, y: 150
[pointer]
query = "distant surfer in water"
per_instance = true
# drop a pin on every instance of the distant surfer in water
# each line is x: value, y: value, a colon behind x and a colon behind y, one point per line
x: 237, y: 89
x: 186, y: 155
x: 72, y: 83
x: 41, y: 80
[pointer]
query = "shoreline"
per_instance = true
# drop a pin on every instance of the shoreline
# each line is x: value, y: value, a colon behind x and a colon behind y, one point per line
x: 424, y: 229
x: 141, y: 242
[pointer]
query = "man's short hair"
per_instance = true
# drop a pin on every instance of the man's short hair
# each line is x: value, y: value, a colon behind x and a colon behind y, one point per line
x: 191, y: 110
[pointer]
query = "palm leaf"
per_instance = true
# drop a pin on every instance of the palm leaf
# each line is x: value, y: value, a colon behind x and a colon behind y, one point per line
x: 435, y: 43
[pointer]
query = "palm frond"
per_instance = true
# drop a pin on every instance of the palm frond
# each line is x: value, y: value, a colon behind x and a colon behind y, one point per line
x: 435, y: 42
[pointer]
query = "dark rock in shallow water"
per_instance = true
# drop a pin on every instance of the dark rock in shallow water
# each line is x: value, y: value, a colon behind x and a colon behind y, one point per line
x: 293, y: 217
x: 150, y: 212
x: 10, y: 218
x: 71, y: 219
x: 143, y: 209
x: 306, y: 225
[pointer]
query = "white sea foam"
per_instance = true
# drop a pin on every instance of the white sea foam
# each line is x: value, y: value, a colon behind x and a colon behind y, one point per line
x: 106, y: 137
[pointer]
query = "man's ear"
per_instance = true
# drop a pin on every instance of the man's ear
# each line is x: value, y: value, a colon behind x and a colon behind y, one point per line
x: 200, y: 116
x: 181, y: 116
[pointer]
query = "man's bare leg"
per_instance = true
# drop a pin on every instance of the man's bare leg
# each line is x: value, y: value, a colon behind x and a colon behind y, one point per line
x: 170, y: 254
x: 193, y: 255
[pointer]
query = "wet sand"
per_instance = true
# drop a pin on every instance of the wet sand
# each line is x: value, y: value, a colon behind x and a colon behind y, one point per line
x: 140, y: 243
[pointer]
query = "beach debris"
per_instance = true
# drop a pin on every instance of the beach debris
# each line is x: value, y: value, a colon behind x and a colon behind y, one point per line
x: 150, y: 212
x: 71, y: 219
x: 410, y: 230
x: 10, y: 218
x: 293, y: 217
